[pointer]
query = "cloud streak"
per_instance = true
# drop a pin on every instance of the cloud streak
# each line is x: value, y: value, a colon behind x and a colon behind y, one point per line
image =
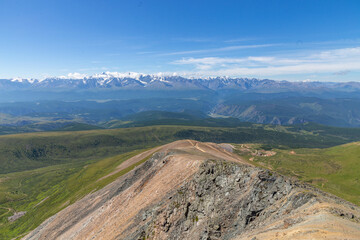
x: 222, y: 49
x: 337, y: 61
x: 240, y: 40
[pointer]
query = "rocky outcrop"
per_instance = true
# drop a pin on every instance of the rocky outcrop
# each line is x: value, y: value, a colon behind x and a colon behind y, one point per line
x: 221, y: 201
x: 227, y: 201
x: 192, y: 190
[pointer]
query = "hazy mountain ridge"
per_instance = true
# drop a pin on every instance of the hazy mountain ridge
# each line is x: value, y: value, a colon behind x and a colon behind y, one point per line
x: 293, y: 110
x: 138, y: 81
x: 105, y: 97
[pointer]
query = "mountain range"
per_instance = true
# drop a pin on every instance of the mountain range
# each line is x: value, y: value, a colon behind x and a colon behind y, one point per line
x: 110, y: 98
x: 116, y: 80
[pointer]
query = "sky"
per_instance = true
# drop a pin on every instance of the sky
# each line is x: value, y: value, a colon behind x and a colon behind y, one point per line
x: 297, y: 40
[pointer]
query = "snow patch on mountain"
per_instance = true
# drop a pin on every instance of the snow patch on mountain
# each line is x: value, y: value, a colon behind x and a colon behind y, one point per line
x: 133, y: 80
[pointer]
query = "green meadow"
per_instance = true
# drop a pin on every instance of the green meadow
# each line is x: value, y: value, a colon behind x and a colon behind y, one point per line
x: 335, y: 170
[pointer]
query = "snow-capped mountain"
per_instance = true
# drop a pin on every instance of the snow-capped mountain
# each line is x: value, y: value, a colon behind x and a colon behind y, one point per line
x: 115, y: 80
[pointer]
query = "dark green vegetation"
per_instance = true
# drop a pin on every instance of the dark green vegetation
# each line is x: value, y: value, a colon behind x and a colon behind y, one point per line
x: 335, y: 170
x: 48, y: 126
x: 33, y: 150
x: 41, y: 173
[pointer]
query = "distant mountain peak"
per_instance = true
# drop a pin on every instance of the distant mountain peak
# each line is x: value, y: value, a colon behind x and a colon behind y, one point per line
x: 134, y: 80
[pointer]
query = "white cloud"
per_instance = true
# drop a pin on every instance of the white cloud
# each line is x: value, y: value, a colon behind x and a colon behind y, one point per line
x: 331, y: 61
x: 74, y: 76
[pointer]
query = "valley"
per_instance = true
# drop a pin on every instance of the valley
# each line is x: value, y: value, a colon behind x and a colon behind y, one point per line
x: 63, y: 104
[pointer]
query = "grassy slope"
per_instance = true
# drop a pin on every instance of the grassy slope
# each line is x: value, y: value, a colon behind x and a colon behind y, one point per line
x: 43, y: 192
x: 335, y: 170
x: 29, y: 151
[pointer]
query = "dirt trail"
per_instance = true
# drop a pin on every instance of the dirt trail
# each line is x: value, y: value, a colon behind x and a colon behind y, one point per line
x: 9, y: 210
x: 210, y: 148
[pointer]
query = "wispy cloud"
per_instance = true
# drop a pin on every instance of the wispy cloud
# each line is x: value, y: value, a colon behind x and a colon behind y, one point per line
x: 338, y: 61
x: 235, y: 40
x: 247, y: 61
x: 221, y: 49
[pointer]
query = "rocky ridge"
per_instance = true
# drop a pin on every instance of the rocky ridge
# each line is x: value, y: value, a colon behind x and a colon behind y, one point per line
x: 194, y: 190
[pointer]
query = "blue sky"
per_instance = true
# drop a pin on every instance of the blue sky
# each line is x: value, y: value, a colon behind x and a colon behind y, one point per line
x: 291, y: 40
